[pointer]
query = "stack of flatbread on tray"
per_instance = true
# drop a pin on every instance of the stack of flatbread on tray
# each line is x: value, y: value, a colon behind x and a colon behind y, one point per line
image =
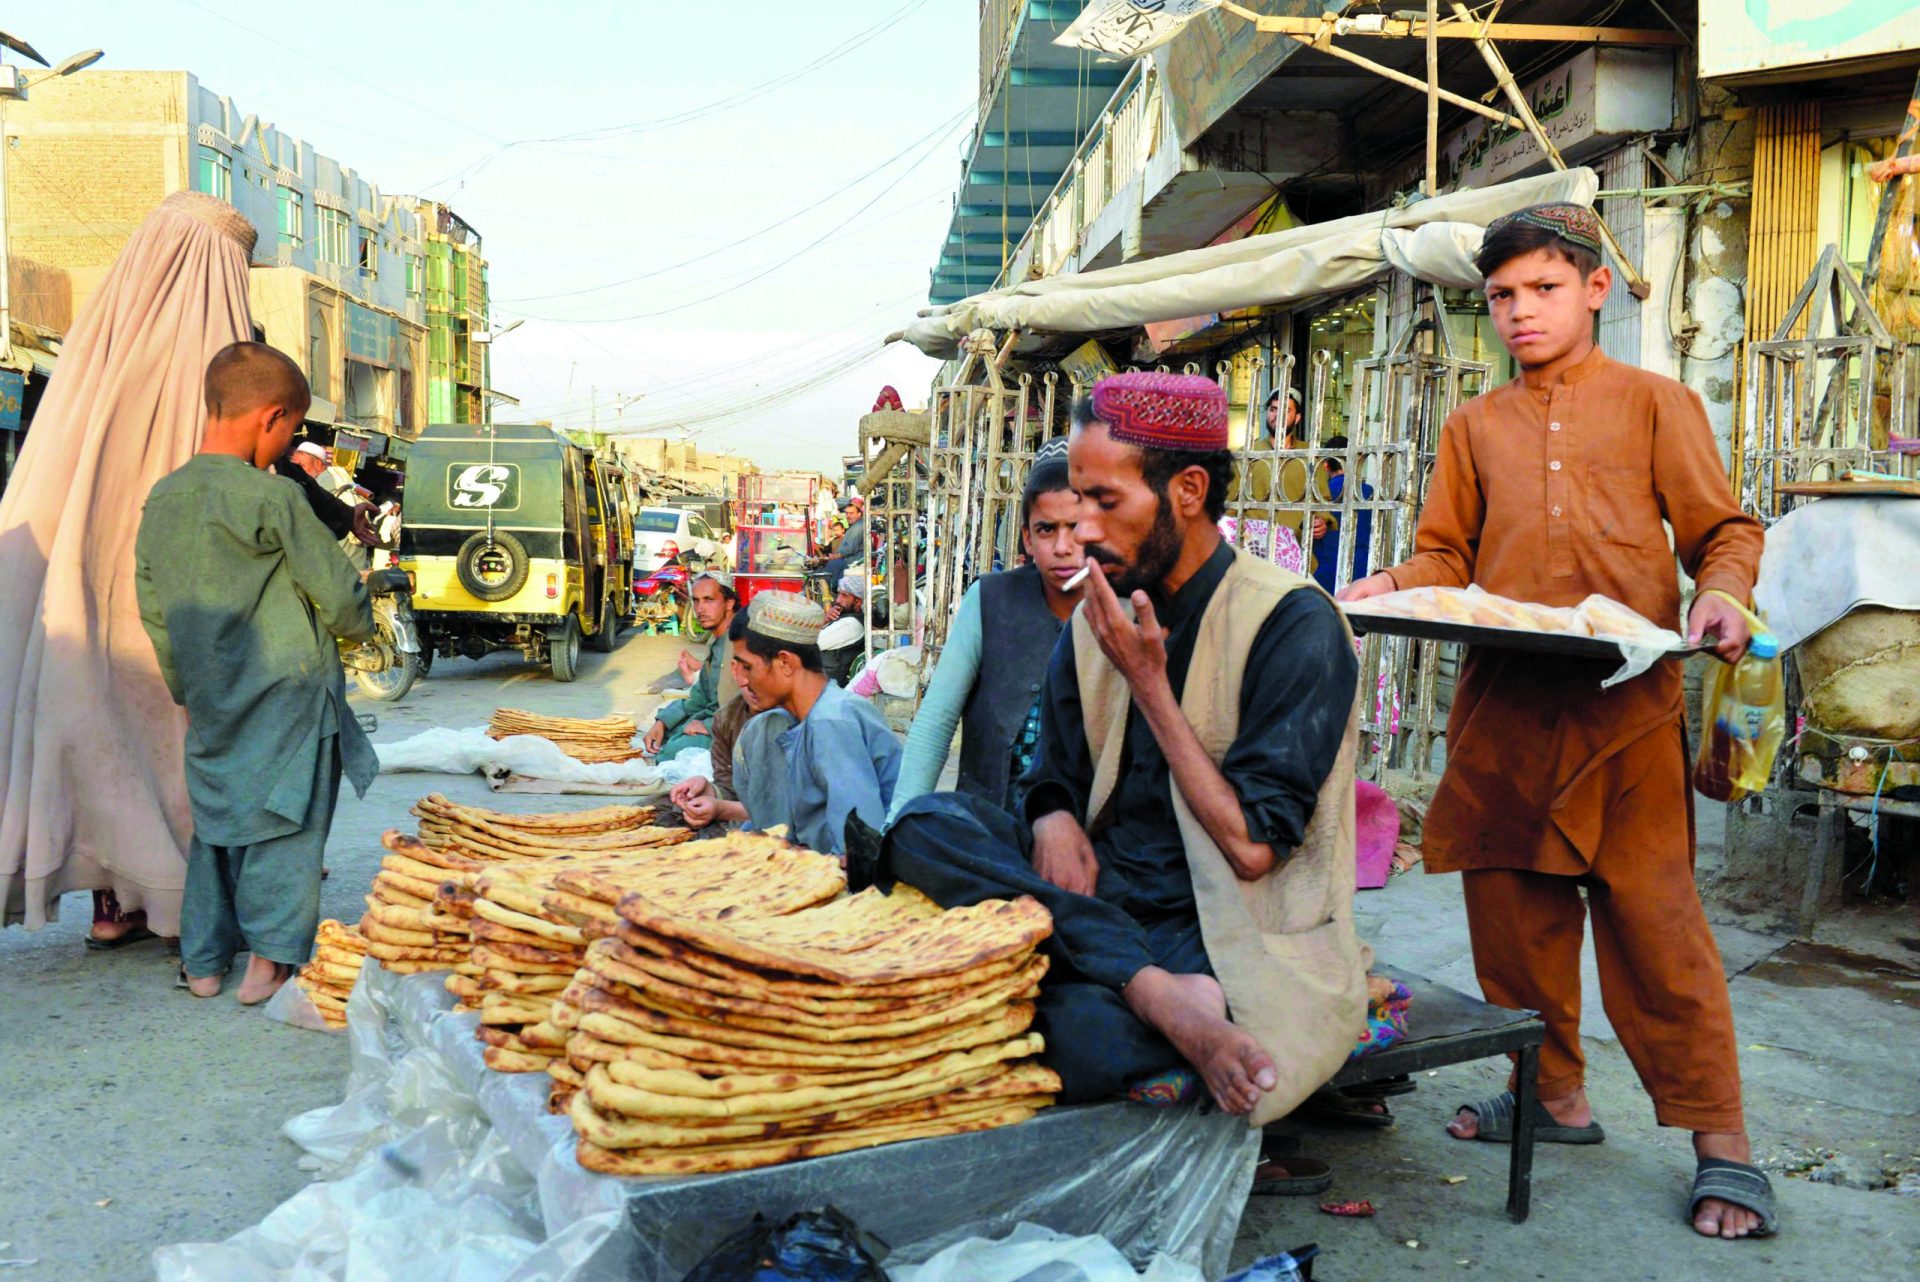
x: 532, y: 922
x: 595, y: 741
x: 724, y: 1043
x: 329, y: 978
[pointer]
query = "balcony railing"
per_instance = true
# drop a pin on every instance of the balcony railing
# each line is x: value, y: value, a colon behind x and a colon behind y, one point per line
x: 998, y: 21
x: 1114, y: 151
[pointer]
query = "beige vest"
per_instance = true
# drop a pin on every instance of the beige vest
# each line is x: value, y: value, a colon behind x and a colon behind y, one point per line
x: 724, y: 686
x: 1284, y: 947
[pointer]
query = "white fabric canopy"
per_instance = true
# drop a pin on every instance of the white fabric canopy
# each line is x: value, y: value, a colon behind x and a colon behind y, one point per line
x: 1434, y: 240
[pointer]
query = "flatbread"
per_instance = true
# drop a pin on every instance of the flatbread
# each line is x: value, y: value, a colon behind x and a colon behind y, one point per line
x: 466, y: 989
x: 399, y: 967
x: 418, y: 890
x: 736, y: 978
x: 613, y: 1096
x: 713, y: 1003
x: 516, y: 959
x: 490, y: 933
x: 815, y: 943
x: 508, y: 982
x: 400, y: 952
x: 328, y: 972
x: 507, y: 1061
x: 749, y: 1155
x: 690, y: 1043
x: 856, y: 1026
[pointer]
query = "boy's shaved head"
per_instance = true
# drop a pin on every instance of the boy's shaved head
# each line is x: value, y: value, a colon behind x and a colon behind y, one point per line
x: 242, y: 377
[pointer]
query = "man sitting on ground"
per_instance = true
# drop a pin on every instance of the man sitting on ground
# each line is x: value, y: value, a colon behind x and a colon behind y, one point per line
x: 688, y: 723
x: 840, y: 760
x: 1188, y: 819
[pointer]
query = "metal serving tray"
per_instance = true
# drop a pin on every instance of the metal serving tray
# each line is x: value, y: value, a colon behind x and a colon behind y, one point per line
x: 1497, y: 638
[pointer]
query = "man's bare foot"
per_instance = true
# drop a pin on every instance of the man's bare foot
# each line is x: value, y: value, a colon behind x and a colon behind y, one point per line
x: 1713, y: 1217
x: 262, y: 980
x: 1568, y: 1110
x: 203, y: 985
x: 1191, y: 1012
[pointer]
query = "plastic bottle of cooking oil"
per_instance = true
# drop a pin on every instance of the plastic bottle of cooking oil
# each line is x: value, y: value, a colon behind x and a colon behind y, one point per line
x: 1746, y: 720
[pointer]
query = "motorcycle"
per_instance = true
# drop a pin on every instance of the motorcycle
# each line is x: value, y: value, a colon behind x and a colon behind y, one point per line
x: 387, y: 663
x: 663, y: 600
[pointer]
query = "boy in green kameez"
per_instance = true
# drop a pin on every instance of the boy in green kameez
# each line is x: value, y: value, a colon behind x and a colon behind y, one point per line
x: 243, y: 591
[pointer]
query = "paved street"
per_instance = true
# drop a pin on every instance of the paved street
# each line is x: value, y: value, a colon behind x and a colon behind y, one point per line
x: 139, y: 1116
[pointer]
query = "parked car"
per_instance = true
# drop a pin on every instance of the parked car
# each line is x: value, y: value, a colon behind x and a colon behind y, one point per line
x: 660, y: 534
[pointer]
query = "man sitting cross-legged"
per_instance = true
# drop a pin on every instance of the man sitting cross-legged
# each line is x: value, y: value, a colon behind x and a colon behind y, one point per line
x: 840, y: 759
x: 688, y: 723
x: 1188, y: 818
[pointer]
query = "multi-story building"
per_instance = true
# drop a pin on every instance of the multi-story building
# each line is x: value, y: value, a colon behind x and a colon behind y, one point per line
x: 457, y: 364
x: 345, y: 279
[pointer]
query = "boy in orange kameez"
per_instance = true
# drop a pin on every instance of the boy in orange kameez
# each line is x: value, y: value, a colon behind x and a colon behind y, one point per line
x: 1548, y: 489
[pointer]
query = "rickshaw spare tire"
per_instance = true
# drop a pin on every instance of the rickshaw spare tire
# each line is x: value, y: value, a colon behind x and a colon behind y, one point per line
x: 493, y: 567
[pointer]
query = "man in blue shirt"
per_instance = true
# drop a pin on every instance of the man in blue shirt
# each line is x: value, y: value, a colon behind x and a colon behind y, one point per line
x: 1326, y: 529
x: 840, y: 759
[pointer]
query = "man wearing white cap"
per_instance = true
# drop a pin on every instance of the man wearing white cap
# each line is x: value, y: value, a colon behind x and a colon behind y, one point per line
x: 840, y: 760
x: 846, y: 627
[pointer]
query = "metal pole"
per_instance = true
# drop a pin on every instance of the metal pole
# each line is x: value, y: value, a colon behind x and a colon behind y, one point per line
x: 1433, y: 98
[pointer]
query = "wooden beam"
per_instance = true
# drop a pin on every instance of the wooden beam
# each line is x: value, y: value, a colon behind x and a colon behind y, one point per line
x: 1402, y: 28
x: 1412, y: 82
x: 1636, y: 283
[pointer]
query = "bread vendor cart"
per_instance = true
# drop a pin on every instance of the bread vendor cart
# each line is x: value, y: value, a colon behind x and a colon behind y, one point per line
x: 773, y: 530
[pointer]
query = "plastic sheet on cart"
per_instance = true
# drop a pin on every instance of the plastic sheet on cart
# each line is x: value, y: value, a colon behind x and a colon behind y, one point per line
x: 435, y: 1167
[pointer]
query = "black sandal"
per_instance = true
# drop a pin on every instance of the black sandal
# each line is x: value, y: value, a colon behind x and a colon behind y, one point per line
x: 1737, y: 1184
x: 1291, y: 1177
x: 1497, y: 1116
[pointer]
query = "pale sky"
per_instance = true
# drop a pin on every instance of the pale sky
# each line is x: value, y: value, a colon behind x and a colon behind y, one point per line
x: 421, y: 97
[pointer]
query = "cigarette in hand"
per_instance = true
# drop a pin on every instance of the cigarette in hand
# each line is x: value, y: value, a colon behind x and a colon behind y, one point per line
x: 1077, y: 579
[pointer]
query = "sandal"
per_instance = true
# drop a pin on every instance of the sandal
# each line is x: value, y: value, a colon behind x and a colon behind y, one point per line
x: 1332, y: 1104
x: 1738, y: 1184
x: 134, y: 936
x: 1291, y: 1177
x: 1385, y: 1086
x: 1497, y: 1117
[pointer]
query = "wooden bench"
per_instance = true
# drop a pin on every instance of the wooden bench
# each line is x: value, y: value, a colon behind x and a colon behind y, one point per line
x: 1445, y: 1026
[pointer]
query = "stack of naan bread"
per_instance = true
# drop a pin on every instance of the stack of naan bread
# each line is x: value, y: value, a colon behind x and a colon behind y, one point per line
x: 723, y: 1043
x: 419, y: 914
x: 329, y: 978
x: 595, y: 741
x: 1597, y: 616
x: 532, y: 921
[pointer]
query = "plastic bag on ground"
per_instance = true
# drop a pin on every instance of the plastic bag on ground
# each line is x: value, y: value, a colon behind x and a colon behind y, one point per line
x: 291, y: 1005
x: 470, y: 751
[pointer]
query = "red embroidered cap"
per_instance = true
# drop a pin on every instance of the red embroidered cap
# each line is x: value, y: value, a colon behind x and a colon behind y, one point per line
x: 1163, y: 411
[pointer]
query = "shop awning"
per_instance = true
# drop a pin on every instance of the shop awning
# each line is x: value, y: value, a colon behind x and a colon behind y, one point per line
x: 34, y: 350
x: 1434, y: 240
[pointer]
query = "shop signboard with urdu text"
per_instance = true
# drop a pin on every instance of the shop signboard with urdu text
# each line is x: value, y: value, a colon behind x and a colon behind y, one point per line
x: 372, y: 337
x: 1753, y: 37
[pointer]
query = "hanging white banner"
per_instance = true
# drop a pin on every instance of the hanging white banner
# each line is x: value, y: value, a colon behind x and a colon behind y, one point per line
x: 1129, y: 28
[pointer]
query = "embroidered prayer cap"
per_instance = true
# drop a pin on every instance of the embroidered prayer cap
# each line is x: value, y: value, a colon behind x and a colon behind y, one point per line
x: 721, y: 577
x: 1049, y: 470
x: 1576, y: 224
x: 1186, y: 412
x: 854, y: 583
x: 786, y: 616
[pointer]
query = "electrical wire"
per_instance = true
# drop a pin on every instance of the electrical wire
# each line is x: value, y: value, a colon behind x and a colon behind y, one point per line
x: 736, y: 99
x: 762, y: 273
x: 945, y: 127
